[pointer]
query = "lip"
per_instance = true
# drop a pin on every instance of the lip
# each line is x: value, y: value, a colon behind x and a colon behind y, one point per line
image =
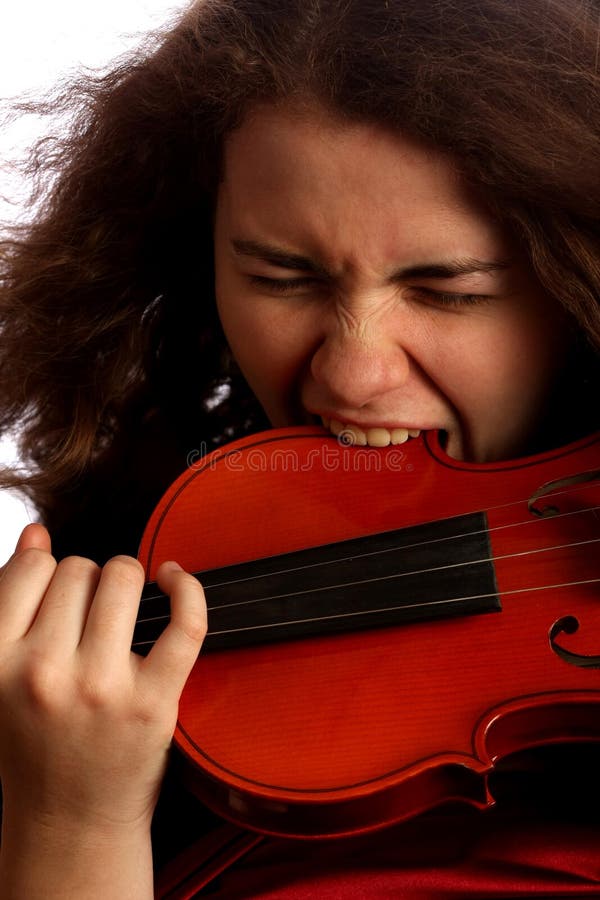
x: 364, y: 426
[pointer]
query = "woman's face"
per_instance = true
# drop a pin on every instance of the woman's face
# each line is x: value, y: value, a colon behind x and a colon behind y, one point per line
x: 359, y: 280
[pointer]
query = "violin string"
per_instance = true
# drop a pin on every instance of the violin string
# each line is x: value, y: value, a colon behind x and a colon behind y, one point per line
x: 431, y: 569
x: 394, y: 549
x: 397, y: 549
x: 387, y: 609
x: 387, y: 578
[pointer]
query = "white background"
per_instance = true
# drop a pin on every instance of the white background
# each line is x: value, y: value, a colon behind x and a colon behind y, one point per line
x: 41, y: 40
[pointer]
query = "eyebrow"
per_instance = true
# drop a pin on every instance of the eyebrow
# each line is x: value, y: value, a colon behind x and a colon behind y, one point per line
x: 450, y: 269
x: 268, y: 253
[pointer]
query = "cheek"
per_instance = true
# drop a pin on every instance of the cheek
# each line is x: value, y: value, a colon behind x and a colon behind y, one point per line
x: 241, y: 319
x: 495, y: 374
x: 531, y: 357
x: 503, y: 385
x: 508, y: 359
x: 266, y: 346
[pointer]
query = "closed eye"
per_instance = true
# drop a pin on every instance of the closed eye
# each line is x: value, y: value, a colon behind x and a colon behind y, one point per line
x: 443, y: 298
x: 282, y: 285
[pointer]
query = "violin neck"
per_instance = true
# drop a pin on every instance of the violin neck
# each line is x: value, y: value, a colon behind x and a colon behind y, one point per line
x: 390, y: 578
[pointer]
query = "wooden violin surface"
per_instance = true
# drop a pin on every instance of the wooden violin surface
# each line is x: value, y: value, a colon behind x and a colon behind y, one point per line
x: 493, y: 645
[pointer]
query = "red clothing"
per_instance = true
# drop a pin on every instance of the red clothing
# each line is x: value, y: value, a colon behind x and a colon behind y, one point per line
x: 439, y: 856
x: 495, y: 859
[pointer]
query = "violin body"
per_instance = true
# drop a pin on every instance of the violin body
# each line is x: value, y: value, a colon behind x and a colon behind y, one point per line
x: 338, y: 733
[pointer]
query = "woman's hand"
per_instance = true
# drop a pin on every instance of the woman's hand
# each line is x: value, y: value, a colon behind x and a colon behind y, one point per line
x: 86, y: 724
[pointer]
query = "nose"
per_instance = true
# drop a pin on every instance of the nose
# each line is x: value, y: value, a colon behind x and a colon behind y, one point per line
x: 353, y: 369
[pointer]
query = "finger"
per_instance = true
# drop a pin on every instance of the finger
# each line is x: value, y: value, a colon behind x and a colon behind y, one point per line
x: 111, y: 618
x: 32, y: 536
x: 62, y: 616
x: 172, y: 658
x: 23, y: 584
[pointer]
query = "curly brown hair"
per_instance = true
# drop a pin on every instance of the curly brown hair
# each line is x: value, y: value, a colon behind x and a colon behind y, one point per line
x: 111, y: 348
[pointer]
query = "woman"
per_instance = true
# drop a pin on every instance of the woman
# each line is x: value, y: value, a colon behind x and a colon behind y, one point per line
x: 379, y: 215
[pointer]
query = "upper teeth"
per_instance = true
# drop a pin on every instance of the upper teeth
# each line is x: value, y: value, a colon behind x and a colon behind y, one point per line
x: 372, y: 437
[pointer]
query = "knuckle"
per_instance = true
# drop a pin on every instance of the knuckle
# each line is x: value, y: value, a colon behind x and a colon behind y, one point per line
x: 97, y: 693
x: 148, y: 712
x: 188, y: 581
x: 78, y: 566
x: 35, y: 558
x: 43, y: 684
x: 125, y: 569
x: 194, y: 628
x: 192, y: 619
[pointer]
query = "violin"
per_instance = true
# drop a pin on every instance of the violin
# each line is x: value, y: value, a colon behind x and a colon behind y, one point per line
x: 385, y: 625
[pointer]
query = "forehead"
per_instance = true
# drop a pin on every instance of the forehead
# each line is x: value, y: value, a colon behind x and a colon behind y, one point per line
x: 312, y: 179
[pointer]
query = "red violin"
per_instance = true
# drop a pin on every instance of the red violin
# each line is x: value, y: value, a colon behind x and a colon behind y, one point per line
x: 384, y: 624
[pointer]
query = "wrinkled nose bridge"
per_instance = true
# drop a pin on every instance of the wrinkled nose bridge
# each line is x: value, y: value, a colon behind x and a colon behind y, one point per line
x: 356, y: 364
